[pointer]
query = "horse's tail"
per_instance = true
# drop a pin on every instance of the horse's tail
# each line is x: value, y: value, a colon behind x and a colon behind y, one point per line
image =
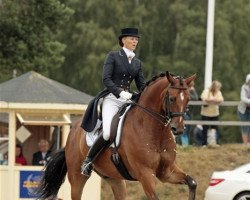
x: 54, y: 175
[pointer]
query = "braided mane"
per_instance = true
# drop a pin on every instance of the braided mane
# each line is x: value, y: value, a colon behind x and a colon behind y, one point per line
x: 163, y: 74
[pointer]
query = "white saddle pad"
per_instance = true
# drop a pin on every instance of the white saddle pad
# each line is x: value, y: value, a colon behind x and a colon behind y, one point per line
x: 91, y: 136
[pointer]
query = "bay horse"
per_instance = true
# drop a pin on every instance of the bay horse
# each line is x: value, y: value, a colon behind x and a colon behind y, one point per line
x: 147, y: 148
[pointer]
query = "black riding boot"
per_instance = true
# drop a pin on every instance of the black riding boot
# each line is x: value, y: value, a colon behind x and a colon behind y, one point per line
x: 94, y: 151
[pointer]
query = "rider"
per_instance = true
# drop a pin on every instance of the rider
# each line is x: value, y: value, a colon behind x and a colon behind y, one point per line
x: 119, y: 70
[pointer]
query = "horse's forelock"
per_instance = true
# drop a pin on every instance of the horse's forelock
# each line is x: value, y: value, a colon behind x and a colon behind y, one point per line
x: 181, y: 81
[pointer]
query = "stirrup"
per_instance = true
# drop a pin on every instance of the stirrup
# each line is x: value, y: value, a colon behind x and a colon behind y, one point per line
x: 86, y: 168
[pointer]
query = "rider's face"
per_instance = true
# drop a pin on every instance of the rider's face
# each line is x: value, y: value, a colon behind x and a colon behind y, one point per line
x: 130, y: 42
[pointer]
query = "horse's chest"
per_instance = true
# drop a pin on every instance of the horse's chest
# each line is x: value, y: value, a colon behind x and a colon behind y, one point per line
x: 161, y: 152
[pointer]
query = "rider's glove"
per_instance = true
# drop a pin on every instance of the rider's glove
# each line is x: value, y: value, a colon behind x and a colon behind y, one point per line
x: 125, y: 95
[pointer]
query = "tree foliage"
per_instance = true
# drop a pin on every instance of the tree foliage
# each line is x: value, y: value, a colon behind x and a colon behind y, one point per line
x: 28, y: 35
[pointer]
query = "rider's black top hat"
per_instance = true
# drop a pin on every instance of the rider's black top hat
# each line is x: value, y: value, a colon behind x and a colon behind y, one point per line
x: 128, y: 32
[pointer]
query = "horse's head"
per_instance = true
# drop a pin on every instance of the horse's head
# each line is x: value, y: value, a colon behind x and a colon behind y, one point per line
x: 165, y: 99
x: 176, y: 97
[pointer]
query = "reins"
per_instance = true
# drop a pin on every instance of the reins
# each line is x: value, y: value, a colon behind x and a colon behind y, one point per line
x: 164, y: 120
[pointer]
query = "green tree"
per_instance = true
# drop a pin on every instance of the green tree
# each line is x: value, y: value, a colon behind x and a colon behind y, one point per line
x: 27, y: 37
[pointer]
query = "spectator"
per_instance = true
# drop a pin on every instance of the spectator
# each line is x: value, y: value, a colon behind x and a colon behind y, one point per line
x: 210, y: 112
x: 20, y: 159
x: 244, y: 110
x: 185, y: 137
x: 42, y: 156
x: 4, y: 158
x: 197, y: 132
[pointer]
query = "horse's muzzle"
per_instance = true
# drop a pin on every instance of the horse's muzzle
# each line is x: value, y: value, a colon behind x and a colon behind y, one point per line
x: 176, y: 130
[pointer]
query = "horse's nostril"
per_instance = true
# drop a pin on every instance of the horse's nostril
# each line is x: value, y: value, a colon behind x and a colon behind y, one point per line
x: 173, y: 129
x: 176, y: 131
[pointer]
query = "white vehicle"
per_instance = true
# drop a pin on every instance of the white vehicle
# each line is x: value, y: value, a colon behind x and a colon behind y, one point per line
x: 230, y: 185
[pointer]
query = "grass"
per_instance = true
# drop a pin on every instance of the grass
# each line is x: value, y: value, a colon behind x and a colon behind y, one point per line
x: 198, y: 162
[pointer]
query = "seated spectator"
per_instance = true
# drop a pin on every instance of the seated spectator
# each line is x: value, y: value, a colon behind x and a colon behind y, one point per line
x: 20, y: 159
x: 42, y: 156
x: 4, y: 158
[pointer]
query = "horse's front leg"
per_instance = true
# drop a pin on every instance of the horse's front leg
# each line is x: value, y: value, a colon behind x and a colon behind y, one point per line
x: 176, y: 176
x: 192, y: 186
x: 148, y: 180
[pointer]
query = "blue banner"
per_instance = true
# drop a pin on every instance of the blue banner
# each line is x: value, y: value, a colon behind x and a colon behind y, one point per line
x: 29, y: 182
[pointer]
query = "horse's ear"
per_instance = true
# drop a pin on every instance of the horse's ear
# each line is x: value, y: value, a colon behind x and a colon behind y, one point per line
x: 190, y: 79
x: 170, y: 77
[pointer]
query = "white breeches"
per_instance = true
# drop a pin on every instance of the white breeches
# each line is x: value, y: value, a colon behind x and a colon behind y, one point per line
x: 110, y: 107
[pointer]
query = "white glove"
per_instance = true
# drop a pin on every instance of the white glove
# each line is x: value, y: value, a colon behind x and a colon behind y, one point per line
x: 125, y: 95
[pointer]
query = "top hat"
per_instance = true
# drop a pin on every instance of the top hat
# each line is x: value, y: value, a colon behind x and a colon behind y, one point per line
x: 129, y: 32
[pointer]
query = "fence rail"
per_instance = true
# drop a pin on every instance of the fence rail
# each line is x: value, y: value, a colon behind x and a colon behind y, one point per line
x: 219, y: 122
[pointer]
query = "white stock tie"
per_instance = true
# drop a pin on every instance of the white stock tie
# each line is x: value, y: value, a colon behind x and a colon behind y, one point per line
x: 130, y: 56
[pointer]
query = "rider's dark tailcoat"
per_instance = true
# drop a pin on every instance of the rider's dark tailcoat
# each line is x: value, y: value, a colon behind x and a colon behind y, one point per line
x: 118, y: 74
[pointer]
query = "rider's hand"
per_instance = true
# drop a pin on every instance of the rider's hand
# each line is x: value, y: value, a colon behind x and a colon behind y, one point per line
x: 125, y: 95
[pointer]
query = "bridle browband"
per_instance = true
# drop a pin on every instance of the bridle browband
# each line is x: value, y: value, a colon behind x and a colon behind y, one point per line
x: 165, y: 119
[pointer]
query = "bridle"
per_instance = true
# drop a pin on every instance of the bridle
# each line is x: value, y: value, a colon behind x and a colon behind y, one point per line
x: 168, y: 115
x: 168, y: 102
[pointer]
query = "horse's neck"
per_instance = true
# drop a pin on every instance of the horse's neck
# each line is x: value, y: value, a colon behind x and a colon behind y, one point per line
x: 151, y: 98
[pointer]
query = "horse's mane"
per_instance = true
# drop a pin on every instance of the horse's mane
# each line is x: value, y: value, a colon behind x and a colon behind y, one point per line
x: 163, y: 74
x: 155, y: 77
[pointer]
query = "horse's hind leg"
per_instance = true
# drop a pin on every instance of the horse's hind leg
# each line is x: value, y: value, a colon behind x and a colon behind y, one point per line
x: 118, y: 187
x: 77, y: 182
x: 177, y: 176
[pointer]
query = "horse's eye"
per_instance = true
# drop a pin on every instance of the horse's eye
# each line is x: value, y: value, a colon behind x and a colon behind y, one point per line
x: 171, y: 99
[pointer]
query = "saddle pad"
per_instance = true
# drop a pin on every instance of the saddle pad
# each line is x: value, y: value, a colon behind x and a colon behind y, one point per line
x: 91, y: 136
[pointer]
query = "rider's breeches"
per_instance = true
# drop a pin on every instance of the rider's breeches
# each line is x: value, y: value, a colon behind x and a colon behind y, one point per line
x: 110, y: 107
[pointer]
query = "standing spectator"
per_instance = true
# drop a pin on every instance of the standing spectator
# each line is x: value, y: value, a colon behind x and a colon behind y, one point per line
x: 20, y: 159
x: 210, y: 112
x: 188, y: 115
x: 42, y: 156
x: 244, y: 110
